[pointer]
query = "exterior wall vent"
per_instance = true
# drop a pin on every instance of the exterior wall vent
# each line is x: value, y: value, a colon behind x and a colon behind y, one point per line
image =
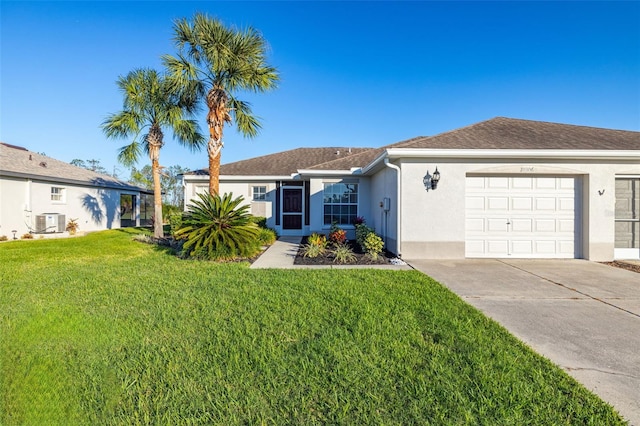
x: 50, y: 223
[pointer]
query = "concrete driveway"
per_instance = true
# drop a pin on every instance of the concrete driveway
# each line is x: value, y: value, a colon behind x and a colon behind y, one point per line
x: 583, y: 316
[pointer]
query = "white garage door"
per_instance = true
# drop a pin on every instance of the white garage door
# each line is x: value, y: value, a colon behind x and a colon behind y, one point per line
x: 520, y: 217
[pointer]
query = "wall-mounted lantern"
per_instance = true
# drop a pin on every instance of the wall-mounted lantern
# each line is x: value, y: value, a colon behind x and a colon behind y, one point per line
x: 431, y: 181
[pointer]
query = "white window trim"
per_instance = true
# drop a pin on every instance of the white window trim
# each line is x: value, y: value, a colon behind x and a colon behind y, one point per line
x: 264, y: 195
x: 62, y: 193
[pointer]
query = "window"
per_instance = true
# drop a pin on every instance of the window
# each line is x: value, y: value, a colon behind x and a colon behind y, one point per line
x: 259, y: 193
x: 340, y: 203
x: 57, y: 194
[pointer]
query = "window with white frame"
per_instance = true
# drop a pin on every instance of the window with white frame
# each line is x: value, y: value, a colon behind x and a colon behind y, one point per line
x: 57, y: 194
x: 259, y: 193
x: 340, y: 203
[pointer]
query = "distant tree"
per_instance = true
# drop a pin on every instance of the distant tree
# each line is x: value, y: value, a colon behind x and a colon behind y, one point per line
x: 151, y: 103
x: 93, y: 165
x: 170, y: 182
x: 215, y: 62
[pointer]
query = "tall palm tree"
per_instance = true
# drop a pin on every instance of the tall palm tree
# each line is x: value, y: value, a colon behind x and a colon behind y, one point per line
x: 151, y: 104
x: 216, y: 62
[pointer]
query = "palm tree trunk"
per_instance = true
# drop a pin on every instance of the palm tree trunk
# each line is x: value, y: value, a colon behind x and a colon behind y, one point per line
x: 218, y: 114
x: 155, y: 143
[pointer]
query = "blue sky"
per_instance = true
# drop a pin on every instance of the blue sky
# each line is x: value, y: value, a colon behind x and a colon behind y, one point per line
x: 353, y: 73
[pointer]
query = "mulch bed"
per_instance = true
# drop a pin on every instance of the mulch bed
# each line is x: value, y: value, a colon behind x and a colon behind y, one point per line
x: 328, y: 259
x: 623, y: 265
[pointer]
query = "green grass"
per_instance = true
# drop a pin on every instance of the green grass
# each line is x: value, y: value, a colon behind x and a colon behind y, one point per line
x: 104, y: 330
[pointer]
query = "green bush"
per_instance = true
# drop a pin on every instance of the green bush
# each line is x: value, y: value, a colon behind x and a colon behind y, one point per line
x: 317, y: 239
x: 267, y: 236
x: 373, y: 245
x: 342, y: 253
x: 362, y: 231
x: 261, y: 221
x: 218, y: 228
x: 313, y: 250
x: 175, y: 221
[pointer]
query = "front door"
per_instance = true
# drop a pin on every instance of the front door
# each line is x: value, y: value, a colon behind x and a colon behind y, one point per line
x: 627, y: 238
x: 292, y: 209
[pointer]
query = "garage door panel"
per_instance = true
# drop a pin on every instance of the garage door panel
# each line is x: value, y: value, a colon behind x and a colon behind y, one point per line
x: 495, y: 247
x: 522, y: 247
x: 545, y: 225
x: 520, y: 216
x: 497, y: 225
x: 498, y: 203
x: 545, y: 203
x: 566, y: 225
x: 497, y: 183
x: 566, y: 204
x: 522, y: 183
x: 522, y: 203
x: 546, y: 247
x: 545, y: 183
x: 522, y: 225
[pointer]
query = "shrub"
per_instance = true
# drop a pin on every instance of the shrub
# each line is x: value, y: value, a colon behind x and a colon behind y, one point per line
x: 313, y: 250
x: 3, y: 238
x: 317, y: 239
x: 72, y: 226
x: 337, y: 235
x: 267, y: 236
x: 359, y: 221
x: 219, y: 228
x: 27, y: 236
x: 343, y: 254
x: 261, y: 221
x: 175, y: 222
x: 362, y: 231
x: 373, y: 245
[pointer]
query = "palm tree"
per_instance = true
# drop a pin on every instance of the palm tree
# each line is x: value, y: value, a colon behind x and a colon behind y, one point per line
x: 216, y: 62
x: 151, y: 104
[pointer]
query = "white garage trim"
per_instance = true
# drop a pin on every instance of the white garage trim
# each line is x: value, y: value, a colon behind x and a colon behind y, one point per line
x: 521, y: 216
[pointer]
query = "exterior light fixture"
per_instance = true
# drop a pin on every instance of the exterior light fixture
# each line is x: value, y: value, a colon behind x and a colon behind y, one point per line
x: 431, y: 181
x: 14, y: 234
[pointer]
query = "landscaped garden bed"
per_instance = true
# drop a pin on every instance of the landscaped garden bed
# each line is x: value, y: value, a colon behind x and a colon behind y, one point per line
x: 329, y: 258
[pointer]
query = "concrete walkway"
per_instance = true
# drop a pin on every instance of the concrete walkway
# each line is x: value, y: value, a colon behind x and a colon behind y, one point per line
x: 583, y: 316
x: 282, y: 254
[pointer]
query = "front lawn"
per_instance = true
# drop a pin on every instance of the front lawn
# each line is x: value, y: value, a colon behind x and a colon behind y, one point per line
x: 104, y: 330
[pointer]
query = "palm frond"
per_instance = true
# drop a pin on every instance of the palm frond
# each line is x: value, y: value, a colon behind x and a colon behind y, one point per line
x: 247, y: 123
x: 129, y: 154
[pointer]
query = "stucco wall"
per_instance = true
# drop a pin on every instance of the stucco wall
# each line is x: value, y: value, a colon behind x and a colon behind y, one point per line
x: 384, y: 185
x: 433, y: 222
x: 22, y: 200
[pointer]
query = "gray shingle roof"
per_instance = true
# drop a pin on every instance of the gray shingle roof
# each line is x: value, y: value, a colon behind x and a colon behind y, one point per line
x: 284, y: 163
x: 20, y: 162
x: 496, y: 133
x: 511, y: 133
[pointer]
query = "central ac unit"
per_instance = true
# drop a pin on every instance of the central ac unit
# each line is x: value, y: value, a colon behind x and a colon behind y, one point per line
x: 50, y: 222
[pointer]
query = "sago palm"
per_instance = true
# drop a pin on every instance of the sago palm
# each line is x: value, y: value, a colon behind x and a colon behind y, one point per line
x: 217, y: 62
x: 216, y: 227
x: 151, y: 104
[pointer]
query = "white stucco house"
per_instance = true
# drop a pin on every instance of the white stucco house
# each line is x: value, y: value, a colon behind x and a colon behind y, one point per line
x: 508, y: 188
x: 39, y: 195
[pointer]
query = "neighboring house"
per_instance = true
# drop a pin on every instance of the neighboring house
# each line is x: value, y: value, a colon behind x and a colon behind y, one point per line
x: 39, y: 195
x: 508, y: 188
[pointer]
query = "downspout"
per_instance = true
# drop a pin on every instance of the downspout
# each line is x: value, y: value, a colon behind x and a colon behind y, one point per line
x: 399, y: 199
